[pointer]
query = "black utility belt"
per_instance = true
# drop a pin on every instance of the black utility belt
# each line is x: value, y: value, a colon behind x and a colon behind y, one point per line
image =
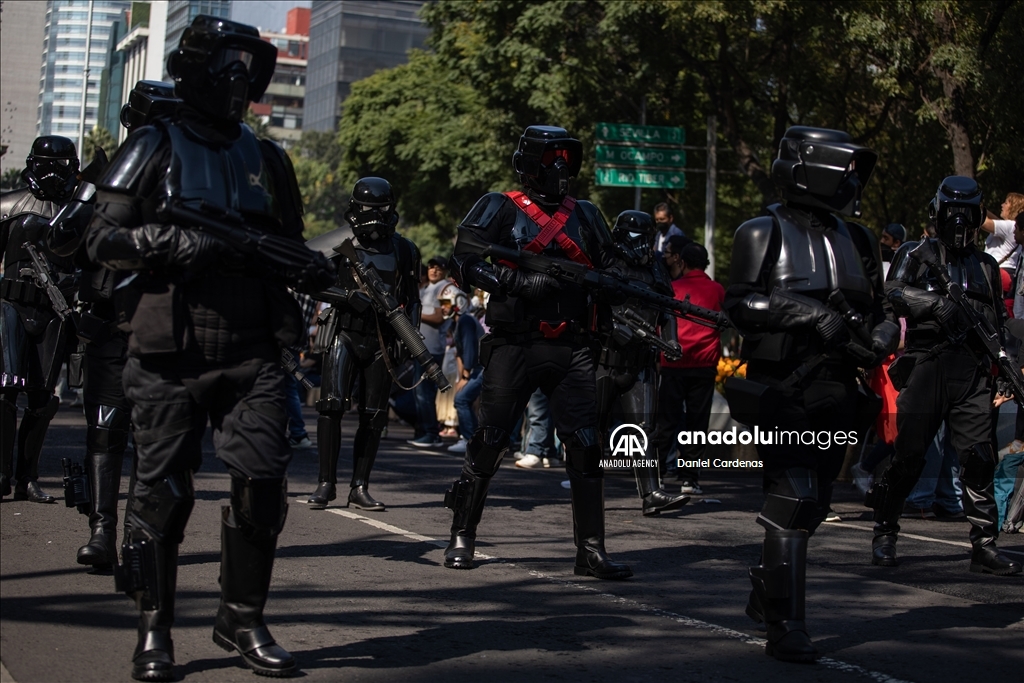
x: 23, y: 292
x: 567, y: 331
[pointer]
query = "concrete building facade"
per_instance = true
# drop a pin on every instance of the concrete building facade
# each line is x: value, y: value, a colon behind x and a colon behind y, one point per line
x: 75, y: 39
x: 350, y: 40
x: 21, y: 43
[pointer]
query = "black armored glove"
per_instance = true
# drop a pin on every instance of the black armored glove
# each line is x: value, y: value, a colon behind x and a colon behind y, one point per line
x: 1004, y: 386
x: 526, y: 285
x: 318, y: 275
x: 157, y: 245
x: 832, y: 327
x: 944, y: 310
x: 676, y: 353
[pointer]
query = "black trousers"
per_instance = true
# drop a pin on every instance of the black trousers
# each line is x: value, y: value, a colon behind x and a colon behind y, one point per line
x: 824, y: 405
x: 951, y: 386
x: 684, y: 402
x: 173, y: 399
x: 563, y: 371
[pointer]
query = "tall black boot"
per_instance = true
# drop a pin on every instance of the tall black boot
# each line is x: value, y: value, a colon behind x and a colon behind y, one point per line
x: 779, y: 587
x: 655, y: 499
x: 980, y: 506
x: 245, y: 569
x: 105, y: 479
x: 30, y: 444
x: 588, y: 529
x: 887, y: 496
x: 8, y: 431
x: 149, y: 572
x: 154, y: 654
x: 364, y: 453
x: 328, y: 444
x: 466, y: 499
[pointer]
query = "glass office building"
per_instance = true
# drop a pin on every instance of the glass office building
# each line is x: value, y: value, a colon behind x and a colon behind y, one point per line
x: 69, y: 82
x: 350, y: 40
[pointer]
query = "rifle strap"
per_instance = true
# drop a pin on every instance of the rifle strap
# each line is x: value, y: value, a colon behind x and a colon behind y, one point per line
x: 551, y: 227
x: 387, y: 359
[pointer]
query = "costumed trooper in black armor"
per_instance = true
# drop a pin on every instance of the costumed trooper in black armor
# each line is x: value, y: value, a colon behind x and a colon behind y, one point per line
x: 540, y: 336
x: 107, y: 412
x: 801, y: 359
x: 355, y: 343
x: 943, y: 376
x: 627, y: 369
x: 206, y: 328
x: 33, y: 336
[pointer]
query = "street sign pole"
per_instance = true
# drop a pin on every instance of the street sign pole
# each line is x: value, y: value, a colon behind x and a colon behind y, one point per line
x: 710, y: 196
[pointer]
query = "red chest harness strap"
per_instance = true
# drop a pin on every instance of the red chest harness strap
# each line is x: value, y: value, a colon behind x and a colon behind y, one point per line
x: 551, y: 227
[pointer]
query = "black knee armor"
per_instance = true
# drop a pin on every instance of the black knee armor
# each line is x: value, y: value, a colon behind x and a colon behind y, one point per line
x: 258, y: 506
x: 486, y: 449
x: 583, y: 453
x: 791, y: 501
x: 376, y: 420
x: 108, y: 429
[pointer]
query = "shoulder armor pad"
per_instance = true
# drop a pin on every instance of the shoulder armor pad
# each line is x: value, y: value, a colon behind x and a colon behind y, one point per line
x: 326, y: 242
x: 124, y: 170
x: 484, y: 210
x: 20, y: 202
x: 750, y: 248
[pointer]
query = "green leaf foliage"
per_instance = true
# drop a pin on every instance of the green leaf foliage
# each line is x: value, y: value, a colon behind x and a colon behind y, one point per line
x: 932, y: 85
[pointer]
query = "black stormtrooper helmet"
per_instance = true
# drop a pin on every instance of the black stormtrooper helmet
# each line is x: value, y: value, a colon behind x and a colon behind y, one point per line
x: 371, y: 210
x: 51, y: 168
x: 956, y: 211
x: 634, y: 233
x: 822, y: 168
x: 547, y: 159
x: 147, y: 101
x: 220, y: 66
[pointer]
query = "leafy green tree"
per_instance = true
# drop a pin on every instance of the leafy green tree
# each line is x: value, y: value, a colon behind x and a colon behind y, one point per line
x: 429, y: 133
x: 99, y: 138
x: 11, y: 179
x: 258, y: 125
x: 316, y: 159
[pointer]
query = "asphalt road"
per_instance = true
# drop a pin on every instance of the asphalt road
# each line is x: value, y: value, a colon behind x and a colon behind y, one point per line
x: 360, y: 596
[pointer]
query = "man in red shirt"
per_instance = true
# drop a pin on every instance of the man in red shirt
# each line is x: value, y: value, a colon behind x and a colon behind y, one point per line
x: 688, y: 384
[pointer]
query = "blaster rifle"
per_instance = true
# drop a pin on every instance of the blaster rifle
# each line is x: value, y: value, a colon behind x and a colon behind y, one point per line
x: 642, y: 330
x: 290, y: 362
x: 386, y: 307
x: 595, y: 280
x: 288, y: 259
x: 40, y: 272
x: 983, y: 330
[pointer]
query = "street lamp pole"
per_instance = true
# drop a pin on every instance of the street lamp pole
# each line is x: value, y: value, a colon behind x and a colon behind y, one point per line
x: 85, y: 82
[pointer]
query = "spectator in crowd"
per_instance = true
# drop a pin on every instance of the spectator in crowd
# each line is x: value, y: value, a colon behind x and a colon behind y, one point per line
x: 432, y: 327
x: 665, y: 222
x: 539, y: 450
x: 893, y: 235
x: 1000, y: 244
x: 688, y: 385
x: 455, y: 306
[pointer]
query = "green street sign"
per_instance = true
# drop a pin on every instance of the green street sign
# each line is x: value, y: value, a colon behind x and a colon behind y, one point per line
x: 617, y: 177
x: 625, y: 132
x: 622, y: 155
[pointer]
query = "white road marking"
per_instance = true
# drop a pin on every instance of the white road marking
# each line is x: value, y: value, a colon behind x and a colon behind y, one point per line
x: 959, y: 544
x: 690, y: 622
